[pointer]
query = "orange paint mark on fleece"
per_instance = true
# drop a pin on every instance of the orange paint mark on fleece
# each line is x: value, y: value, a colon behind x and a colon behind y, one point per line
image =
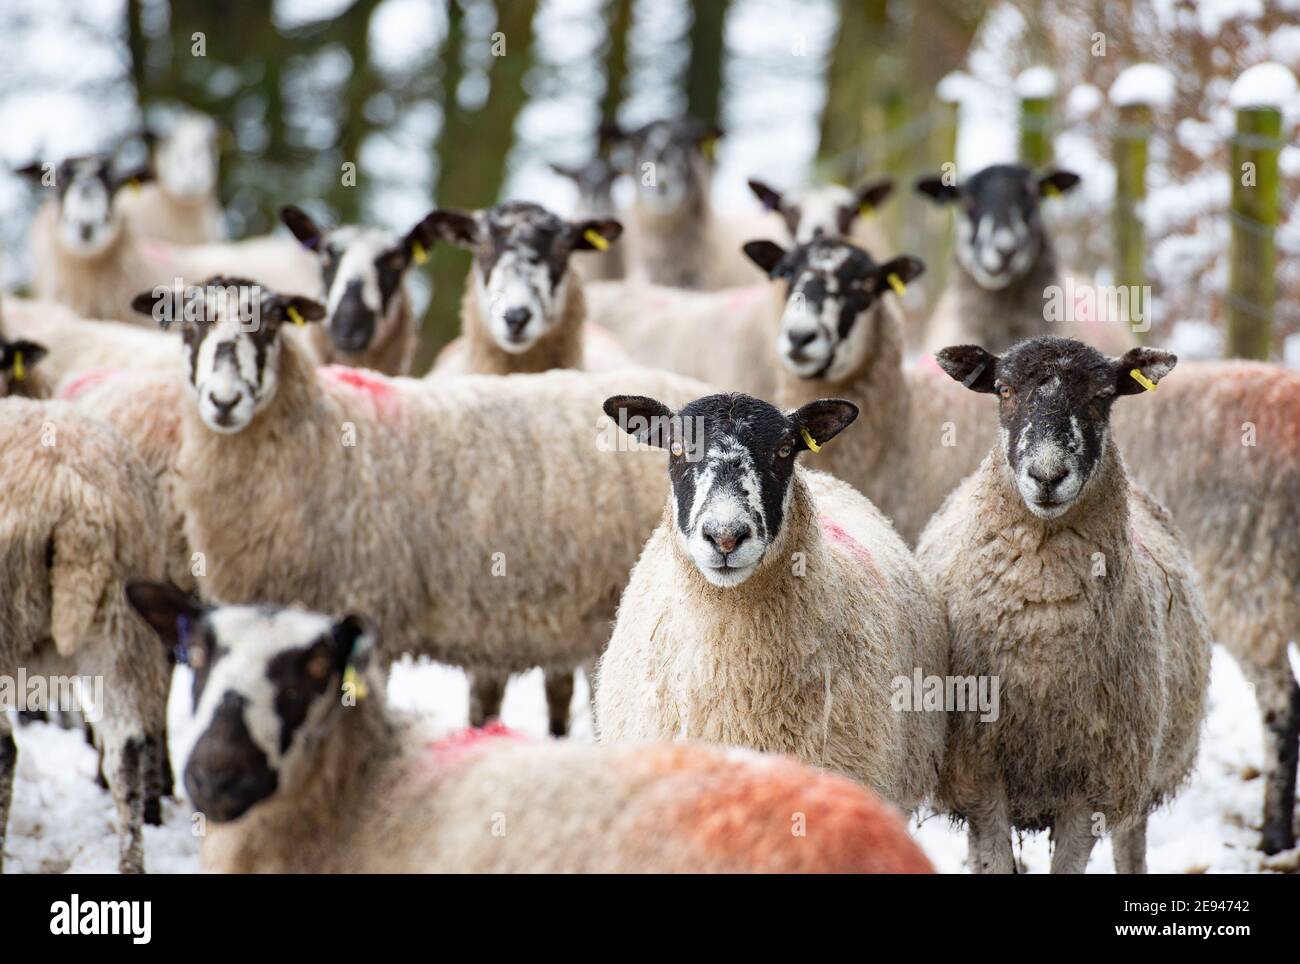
x: 364, y: 382
x: 78, y: 383
x: 839, y: 536
x: 456, y: 746
x: 772, y: 814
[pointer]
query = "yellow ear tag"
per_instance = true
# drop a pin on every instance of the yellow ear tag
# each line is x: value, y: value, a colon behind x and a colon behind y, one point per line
x: 359, y: 688
x: 812, y: 442
x: 866, y: 210
x: 296, y: 317
x: 418, y: 252
x: 1142, y: 380
x: 1051, y: 190
x: 708, y: 147
x: 597, y: 241
x: 133, y: 184
x: 19, y: 371
x: 896, y: 283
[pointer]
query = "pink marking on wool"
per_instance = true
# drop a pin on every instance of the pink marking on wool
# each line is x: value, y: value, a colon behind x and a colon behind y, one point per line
x: 365, y: 382
x: 927, y: 364
x: 84, y: 380
x: 159, y: 252
x: 456, y: 746
x: 739, y: 297
x: 837, y: 534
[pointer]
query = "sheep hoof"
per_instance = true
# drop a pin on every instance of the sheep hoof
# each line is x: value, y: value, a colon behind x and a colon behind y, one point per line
x: 1277, y: 838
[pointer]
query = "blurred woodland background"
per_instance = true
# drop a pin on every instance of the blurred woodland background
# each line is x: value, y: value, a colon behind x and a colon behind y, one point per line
x: 413, y: 93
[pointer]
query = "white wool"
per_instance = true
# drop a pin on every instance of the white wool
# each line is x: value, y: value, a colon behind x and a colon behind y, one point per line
x: 1143, y: 84
x: 1036, y: 82
x: 1269, y: 84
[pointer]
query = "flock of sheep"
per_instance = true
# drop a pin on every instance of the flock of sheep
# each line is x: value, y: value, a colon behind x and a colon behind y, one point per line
x: 217, y: 443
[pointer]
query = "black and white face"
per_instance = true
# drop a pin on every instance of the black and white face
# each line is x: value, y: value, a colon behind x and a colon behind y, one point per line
x: 999, y: 229
x: 827, y: 326
x: 521, y: 260
x: 1054, y: 402
x: 16, y: 361
x: 267, y: 681
x: 824, y: 209
x: 670, y: 161
x: 362, y: 270
x: 731, y: 459
x: 186, y: 159
x: 231, y: 328
x: 88, y: 222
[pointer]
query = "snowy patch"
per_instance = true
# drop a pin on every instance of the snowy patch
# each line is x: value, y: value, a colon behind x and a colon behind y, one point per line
x: 1083, y: 101
x: 1148, y: 84
x: 1036, y: 82
x: 1268, y: 84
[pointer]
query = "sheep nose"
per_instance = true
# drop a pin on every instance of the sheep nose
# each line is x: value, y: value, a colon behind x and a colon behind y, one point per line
x: 223, y: 408
x: 516, y: 318
x: 726, y: 538
x: 86, y: 231
x: 1049, y: 477
x: 801, y: 339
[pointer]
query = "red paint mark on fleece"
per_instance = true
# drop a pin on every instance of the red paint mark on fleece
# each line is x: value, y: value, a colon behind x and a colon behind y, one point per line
x: 374, y: 386
x: 739, y: 297
x: 78, y: 383
x: 456, y: 746
x: 837, y: 534
x: 158, y: 252
x: 927, y: 364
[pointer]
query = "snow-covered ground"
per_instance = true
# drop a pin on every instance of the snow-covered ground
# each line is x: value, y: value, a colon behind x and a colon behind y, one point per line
x: 62, y: 822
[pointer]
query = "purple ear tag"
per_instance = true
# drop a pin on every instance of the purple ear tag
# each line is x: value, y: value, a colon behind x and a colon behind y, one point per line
x: 183, y: 639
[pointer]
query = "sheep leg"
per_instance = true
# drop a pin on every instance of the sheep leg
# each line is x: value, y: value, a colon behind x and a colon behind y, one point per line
x: 486, y: 690
x: 1131, y: 849
x: 989, y: 833
x: 126, y: 759
x: 1073, y: 841
x: 1278, y: 697
x: 154, y: 763
x: 559, y: 694
x: 8, y: 763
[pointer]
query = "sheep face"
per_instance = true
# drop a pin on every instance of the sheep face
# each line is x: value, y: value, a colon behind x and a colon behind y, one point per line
x: 186, y: 159
x: 827, y: 326
x: 827, y: 209
x: 16, y: 359
x: 999, y: 230
x: 670, y: 162
x: 267, y: 682
x: 88, y: 222
x: 731, y: 461
x: 231, y: 329
x: 361, y: 273
x: 595, y: 182
x: 1054, y: 402
x: 521, y: 259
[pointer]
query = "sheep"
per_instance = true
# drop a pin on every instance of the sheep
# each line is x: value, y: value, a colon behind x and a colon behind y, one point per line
x: 523, y: 310
x: 312, y: 773
x: 73, y: 501
x: 18, y: 375
x: 370, y: 321
x: 85, y: 255
x: 595, y: 183
x: 536, y: 586
x: 1007, y: 286
x: 181, y: 206
x: 829, y: 209
x: 773, y: 608
x: 675, y: 237
x: 1071, y: 586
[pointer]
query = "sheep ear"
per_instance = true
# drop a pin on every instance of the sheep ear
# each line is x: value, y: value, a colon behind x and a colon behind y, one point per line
x: 894, y: 275
x: 646, y: 419
x: 1057, y: 182
x: 157, y: 304
x: 938, y: 190
x: 872, y: 195
x: 20, y: 355
x: 133, y: 177
x: 295, y: 308
x: 595, y: 235
x: 770, y: 197
x: 420, y: 239
x: 766, y: 254
x: 355, y: 639
x: 971, y: 365
x: 456, y: 227
x: 1149, y: 363
x: 821, y: 421
x: 299, y: 222
x: 170, y: 611
x: 41, y: 172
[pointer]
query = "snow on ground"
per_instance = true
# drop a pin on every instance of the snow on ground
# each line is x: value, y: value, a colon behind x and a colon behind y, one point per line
x: 62, y: 822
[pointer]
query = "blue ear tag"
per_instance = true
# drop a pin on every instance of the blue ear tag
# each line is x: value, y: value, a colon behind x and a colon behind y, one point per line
x: 183, y: 635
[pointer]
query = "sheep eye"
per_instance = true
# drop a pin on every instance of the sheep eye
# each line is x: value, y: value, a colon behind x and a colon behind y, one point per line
x: 318, y: 667
x: 677, y: 449
x: 1005, y: 391
x: 784, y: 451
x: 195, y: 658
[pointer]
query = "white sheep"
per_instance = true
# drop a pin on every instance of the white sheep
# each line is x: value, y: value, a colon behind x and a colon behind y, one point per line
x: 335, y: 510
x: 299, y: 767
x: 773, y: 608
x: 1069, y: 585
x: 73, y: 503
x: 181, y: 206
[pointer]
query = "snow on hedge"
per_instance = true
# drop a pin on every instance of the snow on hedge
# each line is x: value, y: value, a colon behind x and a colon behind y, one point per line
x: 1143, y: 84
x: 1036, y: 82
